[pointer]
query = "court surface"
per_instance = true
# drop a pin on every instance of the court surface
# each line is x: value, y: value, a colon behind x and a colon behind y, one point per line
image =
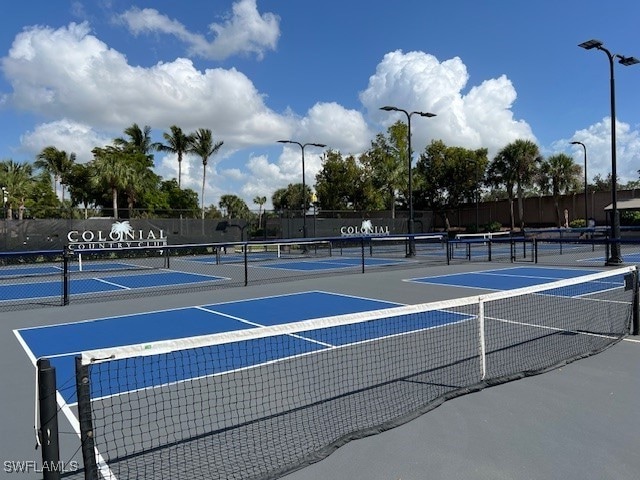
x: 332, y: 263
x: 270, y: 260
x: 49, y: 289
x: 17, y: 288
x: 630, y: 258
x: 546, y: 427
x: 8, y: 272
x: 61, y: 343
x: 504, y: 278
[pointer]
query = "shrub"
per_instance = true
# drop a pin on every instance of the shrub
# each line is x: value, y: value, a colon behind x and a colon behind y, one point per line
x: 493, y: 227
x: 630, y: 218
x: 578, y: 223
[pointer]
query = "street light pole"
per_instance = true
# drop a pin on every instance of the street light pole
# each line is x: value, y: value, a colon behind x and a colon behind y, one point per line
x: 477, y: 195
x: 586, y: 214
x: 410, y: 229
x: 5, y: 199
x: 304, y: 186
x: 616, y: 258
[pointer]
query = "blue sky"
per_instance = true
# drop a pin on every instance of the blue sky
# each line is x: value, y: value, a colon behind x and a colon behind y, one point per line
x: 75, y: 74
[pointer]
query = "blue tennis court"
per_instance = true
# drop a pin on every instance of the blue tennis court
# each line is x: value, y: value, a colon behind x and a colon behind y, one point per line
x: 6, y: 272
x: 330, y: 263
x: 626, y: 258
x: 33, y: 270
x: 255, y: 355
x: 61, y: 343
x: 46, y: 289
x: 104, y: 266
x: 304, y: 264
x: 230, y: 258
x: 511, y: 278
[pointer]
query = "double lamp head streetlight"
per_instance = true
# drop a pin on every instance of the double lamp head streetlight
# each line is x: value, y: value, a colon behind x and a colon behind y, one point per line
x: 412, y: 246
x: 304, y: 185
x: 615, y: 258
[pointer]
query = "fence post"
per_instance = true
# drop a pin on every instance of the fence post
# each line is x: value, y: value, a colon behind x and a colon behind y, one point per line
x: 66, y: 254
x: 447, y: 246
x: 246, y: 264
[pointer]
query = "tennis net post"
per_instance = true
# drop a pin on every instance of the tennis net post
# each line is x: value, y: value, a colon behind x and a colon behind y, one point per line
x: 48, y: 431
x: 635, y: 327
x: 83, y: 392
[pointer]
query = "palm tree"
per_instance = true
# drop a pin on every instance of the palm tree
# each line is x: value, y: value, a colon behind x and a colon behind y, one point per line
x: 201, y: 144
x: 110, y: 170
x: 500, y: 173
x: 279, y: 199
x: 526, y: 166
x: 79, y: 181
x: 17, y: 181
x: 559, y: 174
x: 137, y: 180
x: 260, y: 201
x: 177, y: 143
x: 139, y: 142
x: 516, y: 166
x: 57, y: 163
x: 67, y: 165
x: 233, y: 206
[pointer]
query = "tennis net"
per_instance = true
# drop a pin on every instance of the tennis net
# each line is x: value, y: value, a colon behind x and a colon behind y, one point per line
x: 422, y: 245
x: 21, y: 265
x: 392, y: 246
x: 483, y: 236
x: 261, y: 402
x: 290, y: 249
x: 90, y: 261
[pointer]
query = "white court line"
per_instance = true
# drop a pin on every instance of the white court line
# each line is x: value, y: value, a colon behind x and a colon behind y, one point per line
x: 111, y: 283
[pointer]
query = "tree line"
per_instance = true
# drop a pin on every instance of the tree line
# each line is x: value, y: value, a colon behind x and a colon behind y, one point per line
x: 444, y: 177
x: 120, y: 178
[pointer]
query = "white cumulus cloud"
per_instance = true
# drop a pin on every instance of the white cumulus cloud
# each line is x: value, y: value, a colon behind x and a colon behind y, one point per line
x: 597, y: 140
x: 418, y: 81
x: 76, y: 137
x: 244, y: 31
x: 70, y: 73
x: 84, y: 93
